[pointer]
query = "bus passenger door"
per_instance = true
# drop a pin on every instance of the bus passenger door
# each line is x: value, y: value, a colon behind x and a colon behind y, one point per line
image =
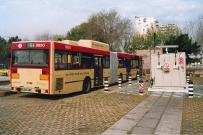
x: 98, y: 71
x: 128, y: 68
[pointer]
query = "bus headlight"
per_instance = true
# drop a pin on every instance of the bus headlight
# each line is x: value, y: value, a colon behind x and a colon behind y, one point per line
x: 15, y: 76
x: 44, y: 77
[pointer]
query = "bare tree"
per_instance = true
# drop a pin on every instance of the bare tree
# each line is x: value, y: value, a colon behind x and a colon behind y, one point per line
x: 57, y: 37
x: 195, y: 29
x: 44, y: 36
x: 111, y: 28
x: 190, y: 28
x: 199, y: 33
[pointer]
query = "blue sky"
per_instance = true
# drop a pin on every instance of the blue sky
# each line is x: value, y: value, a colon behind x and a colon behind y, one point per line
x: 28, y: 18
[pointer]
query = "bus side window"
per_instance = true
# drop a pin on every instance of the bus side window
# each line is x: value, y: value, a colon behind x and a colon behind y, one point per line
x: 135, y: 63
x: 106, y: 61
x: 132, y: 63
x: 76, y: 60
x: 121, y: 63
x: 128, y: 63
x: 69, y: 61
x: 60, y: 60
x: 86, y: 61
x: 57, y: 60
x: 64, y: 61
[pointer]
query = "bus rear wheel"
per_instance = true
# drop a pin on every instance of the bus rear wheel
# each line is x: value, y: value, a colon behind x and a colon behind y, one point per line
x: 86, y: 85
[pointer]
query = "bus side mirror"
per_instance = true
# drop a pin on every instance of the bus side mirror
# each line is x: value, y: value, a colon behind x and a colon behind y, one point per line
x: 69, y: 59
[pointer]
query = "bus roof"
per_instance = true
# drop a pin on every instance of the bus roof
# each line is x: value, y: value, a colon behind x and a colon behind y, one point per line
x: 58, y: 45
x: 64, y: 46
x: 126, y: 55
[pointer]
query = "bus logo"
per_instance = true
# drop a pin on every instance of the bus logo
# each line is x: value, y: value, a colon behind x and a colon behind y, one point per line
x: 20, y: 45
x: 181, y: 60
x: 40, y: 45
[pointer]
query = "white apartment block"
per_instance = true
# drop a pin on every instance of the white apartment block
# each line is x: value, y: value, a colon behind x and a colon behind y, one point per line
x: 144, y: 24
x: 169, y: 26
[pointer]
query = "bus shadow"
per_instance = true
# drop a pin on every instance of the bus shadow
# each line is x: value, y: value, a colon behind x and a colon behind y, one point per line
x: 58, y: 97
x: 52, y: 97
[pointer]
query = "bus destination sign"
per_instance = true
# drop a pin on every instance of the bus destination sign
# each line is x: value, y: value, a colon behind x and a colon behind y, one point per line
x: 35, y: 45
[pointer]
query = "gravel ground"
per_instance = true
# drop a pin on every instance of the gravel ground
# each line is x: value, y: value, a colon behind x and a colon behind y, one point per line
x: 198, y: 85
x: 198, y: 90
x: 192, y: 117
x: 77, y: 113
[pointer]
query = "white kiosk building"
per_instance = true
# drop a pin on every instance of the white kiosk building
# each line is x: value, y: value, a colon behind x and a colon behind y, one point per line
x: 168, y: 71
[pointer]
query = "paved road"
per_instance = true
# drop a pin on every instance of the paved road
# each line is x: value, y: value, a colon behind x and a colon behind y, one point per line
x: 160, y: 114
x: 132, y: 89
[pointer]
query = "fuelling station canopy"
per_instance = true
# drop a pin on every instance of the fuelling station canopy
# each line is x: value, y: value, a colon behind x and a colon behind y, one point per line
x: 167, y: 46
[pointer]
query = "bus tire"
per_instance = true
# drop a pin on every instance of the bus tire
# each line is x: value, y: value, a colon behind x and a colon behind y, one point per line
x: 86, y: 85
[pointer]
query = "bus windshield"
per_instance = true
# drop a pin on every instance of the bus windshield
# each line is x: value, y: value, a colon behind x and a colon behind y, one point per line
x: 33, y: 58
x: 3, y: 66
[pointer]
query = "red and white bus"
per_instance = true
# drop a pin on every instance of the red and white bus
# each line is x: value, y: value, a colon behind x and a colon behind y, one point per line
x: 51, y: 67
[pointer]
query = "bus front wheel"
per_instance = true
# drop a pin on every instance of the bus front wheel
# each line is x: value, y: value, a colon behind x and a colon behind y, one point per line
x: 86, y: 85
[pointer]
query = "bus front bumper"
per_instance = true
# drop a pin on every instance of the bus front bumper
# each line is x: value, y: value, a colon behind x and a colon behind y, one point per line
x: 29, y: 90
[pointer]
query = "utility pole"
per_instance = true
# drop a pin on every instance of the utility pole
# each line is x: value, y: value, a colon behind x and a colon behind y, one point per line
x: 154, y: 41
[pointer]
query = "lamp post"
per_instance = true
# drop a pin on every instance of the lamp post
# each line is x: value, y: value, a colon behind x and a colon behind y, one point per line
x: 154, y: 35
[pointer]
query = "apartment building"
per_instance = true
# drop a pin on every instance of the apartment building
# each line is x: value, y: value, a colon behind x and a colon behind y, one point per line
x: 164, y: 27
x: 144, y: 24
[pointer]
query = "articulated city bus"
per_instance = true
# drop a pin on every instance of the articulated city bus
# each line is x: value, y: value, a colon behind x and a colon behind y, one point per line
x: 62, y: 67
x: 128, y: 64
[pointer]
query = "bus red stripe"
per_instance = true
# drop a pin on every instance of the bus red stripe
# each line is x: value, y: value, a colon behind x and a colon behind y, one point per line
x: 62, y: 46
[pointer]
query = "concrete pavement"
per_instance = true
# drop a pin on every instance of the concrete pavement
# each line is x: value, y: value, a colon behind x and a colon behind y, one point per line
x: 160, y: 113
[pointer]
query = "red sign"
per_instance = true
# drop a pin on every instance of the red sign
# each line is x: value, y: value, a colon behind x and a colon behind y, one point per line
x: 166, y: 67
x: 181, y: 60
